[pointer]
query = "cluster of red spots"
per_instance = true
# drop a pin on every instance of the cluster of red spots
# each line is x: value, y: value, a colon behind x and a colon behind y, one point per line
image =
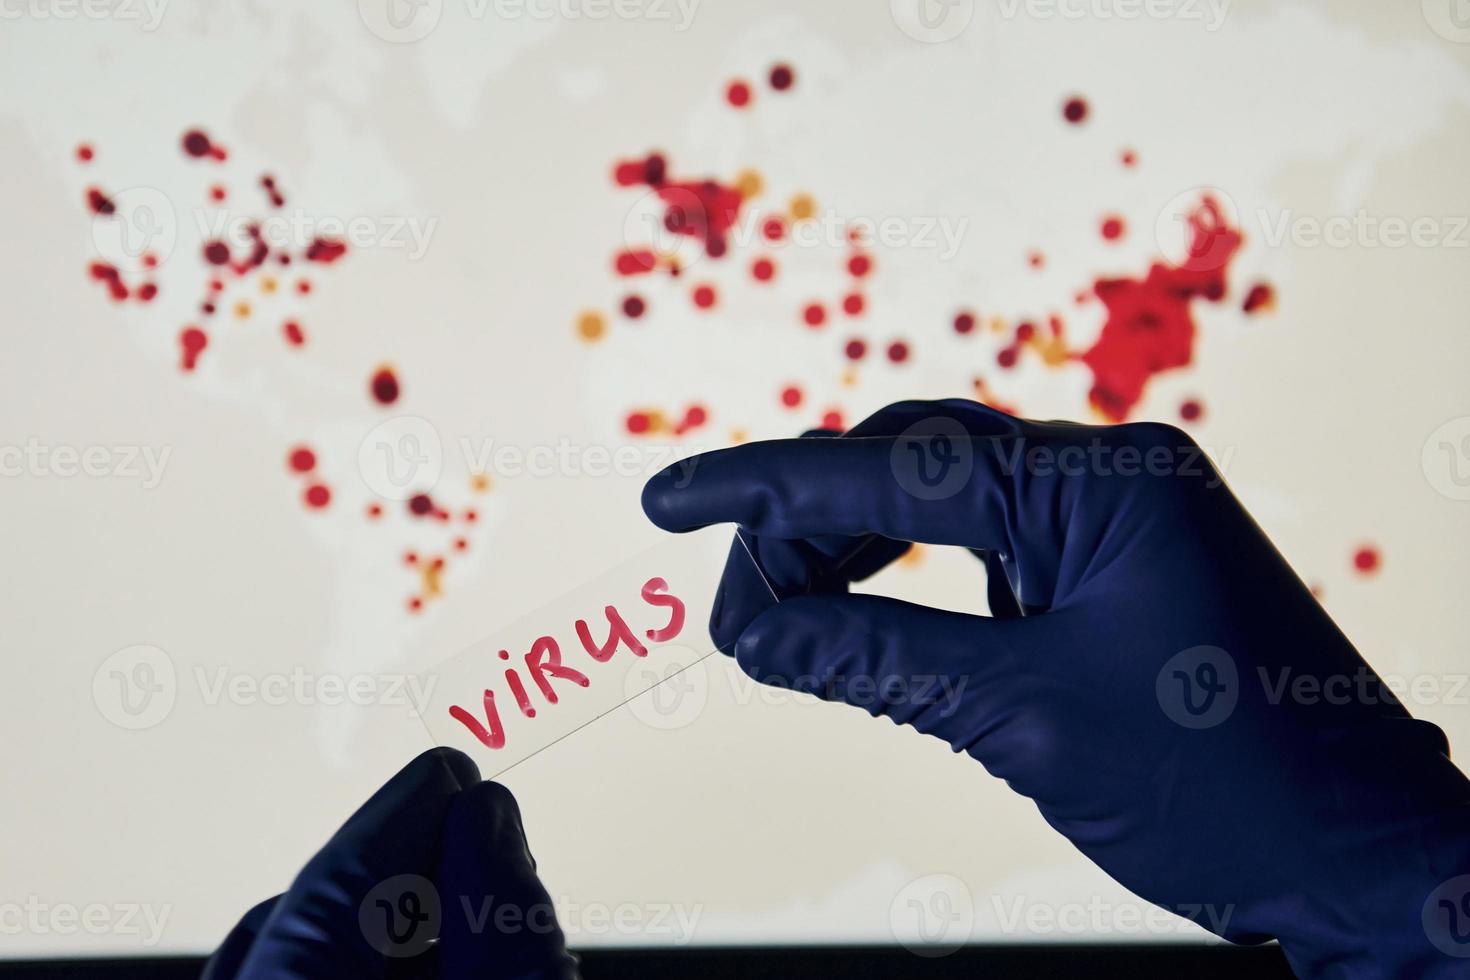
x: 384, y: 385
x: 704, y: 296
x: 108, y: 274
x: 268, y: 184
x: 430, y: 568
x: 1075, y: 110
x: 197, y: 144
x: 1112, y: 228
x: 648, y: 422
x: 1260, y: 299
x: 634, y: 261
x: 763, y: 270
x: 1150, y: 326
x: 99, y: 202
x: 704, y: 210
x: 226, y: 265
x: 325, y: 250
x: 301, y: 461
x: 1192, y: 410
x: 1367, y: 560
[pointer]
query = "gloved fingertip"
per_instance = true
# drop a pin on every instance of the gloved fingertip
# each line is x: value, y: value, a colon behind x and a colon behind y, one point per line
x: 665, y: 497
x: 460, y: 768
x: 778, y: 639
x: 489, y: 814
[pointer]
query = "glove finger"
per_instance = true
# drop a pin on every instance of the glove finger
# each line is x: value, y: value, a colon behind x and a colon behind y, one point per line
x: 764, y: 570
x: 861, y: 558
x: 759, y: 572
x: 908, y: 662
x: 226, y: 961
x: 366, y: 895
x: 804, y: 488
x: 499, y: 920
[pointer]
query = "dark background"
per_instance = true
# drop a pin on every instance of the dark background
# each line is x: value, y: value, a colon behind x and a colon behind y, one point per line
x: 990, y: 962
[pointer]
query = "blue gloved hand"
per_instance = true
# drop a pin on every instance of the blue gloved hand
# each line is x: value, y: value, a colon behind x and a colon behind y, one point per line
x: 1140, y: 677
x: 432, y: 877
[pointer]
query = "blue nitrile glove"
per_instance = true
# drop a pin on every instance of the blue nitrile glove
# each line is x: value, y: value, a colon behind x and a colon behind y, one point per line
x: 1142, y: 683
x: 432, y: 877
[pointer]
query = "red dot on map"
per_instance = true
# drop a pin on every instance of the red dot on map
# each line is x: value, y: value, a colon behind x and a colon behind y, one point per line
x: 1367, y: 560
x: 318, y: 496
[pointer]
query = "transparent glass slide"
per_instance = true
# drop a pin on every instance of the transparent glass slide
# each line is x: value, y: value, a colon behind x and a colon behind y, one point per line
x: 584, y: 654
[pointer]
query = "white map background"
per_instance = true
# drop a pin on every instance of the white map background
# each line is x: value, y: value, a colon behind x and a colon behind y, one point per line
x: 775, y: 822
